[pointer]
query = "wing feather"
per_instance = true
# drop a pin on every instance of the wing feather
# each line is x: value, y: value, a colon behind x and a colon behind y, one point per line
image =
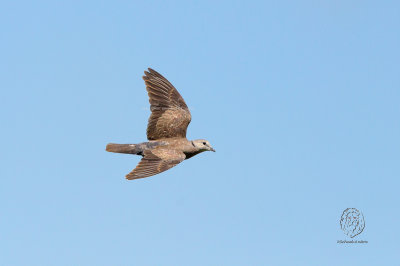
x: 155, y: 162
x: 170, y: 115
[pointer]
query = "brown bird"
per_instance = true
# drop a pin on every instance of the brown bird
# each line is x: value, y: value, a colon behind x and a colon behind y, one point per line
x: 166, y: 131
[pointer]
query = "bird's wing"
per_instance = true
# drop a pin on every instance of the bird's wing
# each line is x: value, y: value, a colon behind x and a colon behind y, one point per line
x: 170, y: 115
x: 155, y: 162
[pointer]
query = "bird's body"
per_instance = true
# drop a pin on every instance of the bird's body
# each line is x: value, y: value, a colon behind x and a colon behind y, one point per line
x: 181, y: 144
x: 166, y: 131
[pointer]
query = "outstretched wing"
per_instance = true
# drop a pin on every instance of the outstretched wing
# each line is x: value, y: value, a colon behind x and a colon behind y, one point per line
x: 170, y: 115
x: 155, y: 162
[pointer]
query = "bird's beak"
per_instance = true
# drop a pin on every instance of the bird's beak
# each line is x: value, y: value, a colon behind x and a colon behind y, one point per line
x: 212, y: 149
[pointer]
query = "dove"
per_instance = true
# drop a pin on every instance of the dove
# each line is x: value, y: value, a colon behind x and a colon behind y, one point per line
x: 167, y: 145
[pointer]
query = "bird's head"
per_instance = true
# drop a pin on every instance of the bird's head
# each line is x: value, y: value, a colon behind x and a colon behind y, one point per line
x: 202, y: 145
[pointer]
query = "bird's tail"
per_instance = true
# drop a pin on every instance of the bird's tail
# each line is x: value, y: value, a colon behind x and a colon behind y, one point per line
x: 123, y: 148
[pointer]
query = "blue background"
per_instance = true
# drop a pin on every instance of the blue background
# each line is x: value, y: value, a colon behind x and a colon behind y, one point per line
x: 299, y: 98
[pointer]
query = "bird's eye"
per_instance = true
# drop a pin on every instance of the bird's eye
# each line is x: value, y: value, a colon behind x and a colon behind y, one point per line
x: 204, y: 143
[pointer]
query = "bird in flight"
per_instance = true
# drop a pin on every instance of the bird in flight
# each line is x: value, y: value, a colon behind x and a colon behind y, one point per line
x: 166, y: 131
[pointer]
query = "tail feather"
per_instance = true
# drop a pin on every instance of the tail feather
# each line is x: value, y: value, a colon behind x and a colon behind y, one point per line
x: 123, y: 148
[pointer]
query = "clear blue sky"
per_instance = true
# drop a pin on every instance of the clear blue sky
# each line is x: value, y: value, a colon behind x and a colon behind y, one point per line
x: 299, y: 98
